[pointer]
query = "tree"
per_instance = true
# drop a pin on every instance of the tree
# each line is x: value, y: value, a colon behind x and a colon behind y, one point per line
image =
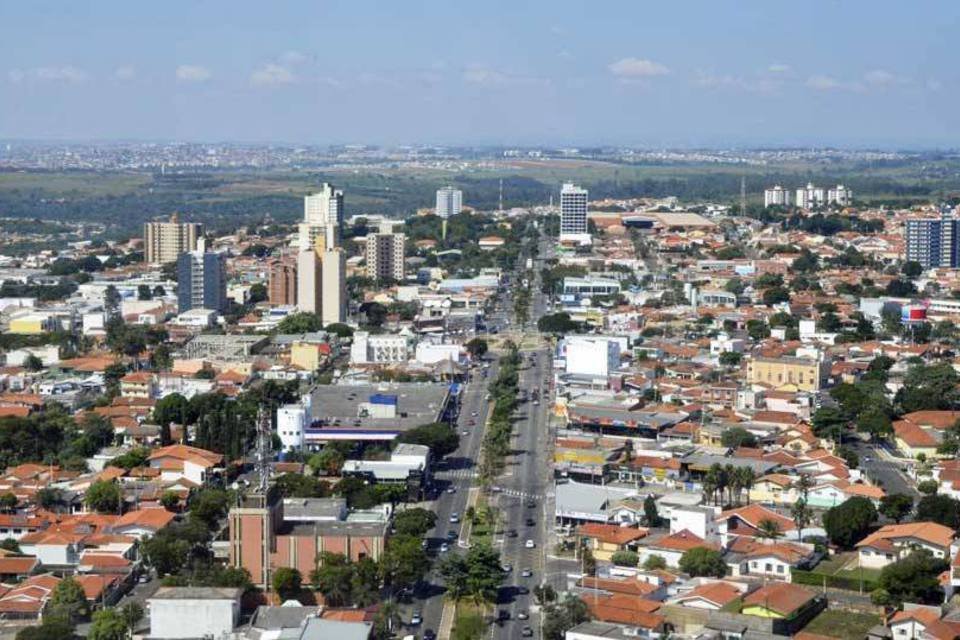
x: 300, y: 323
x: 849, y: 456
x: 775, y: 295
x: 928, y: 487
x: 339, y: 329
x: 8, y: 502
x: 557, y: 323
x: 439, y: 436
x: 768, y: 529
x: 111, y: 299
x: 50, y: 498
x: 938, y: 508
x: 108, y: 624
x: 329, y: 461
x: 654, y: 562
x: 144, y: 292
x: 730, y: 358
x: 914, y: 578
x: 563, y: 616
x: 404, y: 562
x: 414, y: 522
x: 544, y: 593
x: 848, y: 522
x: 287, y: 582
x: 802, y: 515
x: 33, y: 363
x: 477, y: 575
x: 103, y: 497
x: 625, y: 558
x: 829, y: 422
x: 334, y: 578
x: 912, y: 269
x: 701, y: 561
x: 898, y: 288
x: 896, y: 506
x: 365, y: 584
x: 169, y: 500
x: 53, y: 627
x: 69, y: 600
x: 736, y: 437
x: 477, y: 347
x: 650, y: 513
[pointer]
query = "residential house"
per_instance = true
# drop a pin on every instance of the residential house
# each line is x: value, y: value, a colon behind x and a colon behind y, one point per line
x: 713, y: 596
x: 892, y: 542
x: 780, y: 600
x: 182, y: 461
x: 604, y: 540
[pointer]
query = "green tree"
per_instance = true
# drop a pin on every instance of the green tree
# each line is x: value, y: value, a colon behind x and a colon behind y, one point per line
x: 8, y: 502
x: 701, y: 561
x: 896, y: 506
x: 132, y: 613
x: 477, y: 575
x: 329, y: 461
x: 730, y: 358
x: 939, y: 508
x: 768, y: 529
x: 333, y: 578
x: 735, y: 437
x: 651, y: 515
x: 33, y: 363
x: 108, y: 624
x: 563, y: 616
x: 775, y: 295
x: 339, y: 329
x: 829, y: 422
x: 53, y: 627
x: 300, y: 323
x: 848, y: 522
x: 912, y: 269
x: 654, y: 562
x: 802, y: 515
x: 365, y: 584
x: 557, y: 323
x: 287, y: 582
x: 477, y: 348
x: 914, y: 578
x: 103, y: 497
x: 404, y: 562
x: 440, y: 437
x: 69, y: 600
x: 414, y: 522
x: 625, y: 558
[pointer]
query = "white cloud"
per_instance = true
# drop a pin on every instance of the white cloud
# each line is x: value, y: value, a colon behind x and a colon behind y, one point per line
x: 778, y: 68
x: 126, y: 72
x: 879, y: 78
x: 637, y: 68
x: 759, y: 84
x: 66, y: 74
x: 193, y: 73
x: 272, y: 74
x: 824, y: 83
x: 292, y: 57
x: 485, y: 76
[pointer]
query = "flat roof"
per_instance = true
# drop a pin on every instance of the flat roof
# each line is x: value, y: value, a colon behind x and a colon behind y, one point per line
x: 417, y: 404
x: 197, y: 593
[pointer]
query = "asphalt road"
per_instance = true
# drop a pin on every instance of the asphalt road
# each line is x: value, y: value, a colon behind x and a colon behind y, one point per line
x: 875, y: 463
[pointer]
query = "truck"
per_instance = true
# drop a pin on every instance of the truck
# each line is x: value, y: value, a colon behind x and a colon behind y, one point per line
x: 529, y: 264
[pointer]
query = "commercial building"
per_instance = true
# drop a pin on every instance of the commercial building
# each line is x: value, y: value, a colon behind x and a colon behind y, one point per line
x: 573, y: 214
x: 201, y: 280
x: 591, y: 356
x: 194, y: 612
x: 795, y: 374
x: 385, y: 255
x: 164, y: 242
x: 933, y: 242
x: 322, y: 217
x: 378, y: 349
x: 449, y: 202
x: 776, y: 196
x: 282, y: 282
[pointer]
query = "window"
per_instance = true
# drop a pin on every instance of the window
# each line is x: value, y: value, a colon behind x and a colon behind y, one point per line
x: 779, y: 568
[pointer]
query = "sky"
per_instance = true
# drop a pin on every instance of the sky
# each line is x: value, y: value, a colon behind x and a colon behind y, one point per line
x: 646, y: 73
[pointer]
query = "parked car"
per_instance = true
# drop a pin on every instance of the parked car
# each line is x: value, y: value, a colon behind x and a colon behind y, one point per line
x: 530, y: 544
x: 416, y: 619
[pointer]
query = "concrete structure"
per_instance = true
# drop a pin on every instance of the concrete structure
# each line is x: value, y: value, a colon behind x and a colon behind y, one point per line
x: 591, y: 356
x: 776, y: 196
x: 292, y: 419
x: 378, y: 349
x: 333, y: 289
x: 201, y: 280
x: 309, y: 282
x: 840, y: 195
x: 325, y: 206
x: 282, y: 282
x: 449, y: 202
x: 384, y: 253
x: 194, y: 612
x: 428, y: 353
x: 573, y: 214
x: 810, y: 196
x: 794, y: 374
x: 697, y: 519
x: 163, y: 242
x: 933, y: 242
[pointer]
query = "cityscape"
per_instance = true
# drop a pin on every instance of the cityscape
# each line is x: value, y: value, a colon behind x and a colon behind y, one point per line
x: 344, y: 333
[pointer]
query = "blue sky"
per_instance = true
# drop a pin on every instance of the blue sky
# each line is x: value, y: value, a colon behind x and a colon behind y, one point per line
x: 652, y: 73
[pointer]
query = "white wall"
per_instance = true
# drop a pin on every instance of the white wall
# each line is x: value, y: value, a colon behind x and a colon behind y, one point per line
x: 190, y: 618
x: 291, y: 421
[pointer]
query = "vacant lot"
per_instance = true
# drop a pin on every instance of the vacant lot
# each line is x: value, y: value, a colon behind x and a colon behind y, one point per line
x: 836, y: 623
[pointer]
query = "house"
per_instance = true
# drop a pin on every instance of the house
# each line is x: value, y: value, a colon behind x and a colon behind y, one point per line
x: 143, y: 523
x: 697, y: 519
x: 27, y: 600
x: 139, y: 384
x: 604, y: 540
x: 780, y: 600
x: 711, y: 595
x: 625, y: 609
x: 182, y: 461
x: 606, y: 631
x: 912, y: 439
x: 746, y: 521
x: 919, y: 622
x: 769, y: 560
x: 774, y: 488
x: 14, y: 568
x: 672, y: 547
x: 194, y: 612
x: 891, y: 542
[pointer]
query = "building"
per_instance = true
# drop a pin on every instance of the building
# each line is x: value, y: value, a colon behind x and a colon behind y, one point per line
x: 893, y: 542
x: 449, y: 202
x: 333, y: 271
x: 164, y: 242
x: 194, y: 612
x: 810, y: 196
x: 933, y: 242
x: 591, y: 356
x: 309, y: 282
x: 840, y: 195
x: 282, y: 283
x: 325, y: 206
x: 384, y: 254
x: 201, y: 280
x: 776, y: 196
x: 573, y: 214
x: 794, y: 374
x: 378, y: 349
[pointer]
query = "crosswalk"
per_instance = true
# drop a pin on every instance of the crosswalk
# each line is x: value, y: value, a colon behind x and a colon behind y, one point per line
x: 514, y: 493
x: 458, y: 474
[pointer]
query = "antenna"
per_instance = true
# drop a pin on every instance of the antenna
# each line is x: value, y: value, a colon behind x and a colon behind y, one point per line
x: 501, y: 196
x: 263, y: 452
x: 743, y: 196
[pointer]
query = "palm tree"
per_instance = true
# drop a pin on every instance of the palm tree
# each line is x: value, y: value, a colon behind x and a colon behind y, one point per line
x: 803, y: 484
x: 736, y: 487
x: 714, y: 479
x: 768, y: 529
x: 389, y: 615
x: 747, y: 478
x: 802, y: 515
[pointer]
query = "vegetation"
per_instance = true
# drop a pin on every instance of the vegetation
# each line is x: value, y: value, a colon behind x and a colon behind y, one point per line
x: 701, y: 561
x: 848, y: 522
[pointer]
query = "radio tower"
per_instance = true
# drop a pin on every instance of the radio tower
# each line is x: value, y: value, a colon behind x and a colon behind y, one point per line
x: 263, y: 453
x: 743, y: 196
x: 500, y: 207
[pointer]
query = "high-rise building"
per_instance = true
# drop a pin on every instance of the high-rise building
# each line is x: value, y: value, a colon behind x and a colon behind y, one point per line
x: 325, y: 206
x: 282, y: 282
x: 449, y: 202
x: 810, y: 196
x: 309, y: 282
x: 385, y: 255
x: 839, y: 195
x: 334, y: 286
x: 573, y: 214
x: 201, y: 280
x: 933, y: 242
x: 776, y: 196
x: 164, y: 242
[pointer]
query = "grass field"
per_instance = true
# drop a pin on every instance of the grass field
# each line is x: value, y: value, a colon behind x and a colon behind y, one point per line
x: 75, y: 184
x: 835, y: 623
x: 469, y: 623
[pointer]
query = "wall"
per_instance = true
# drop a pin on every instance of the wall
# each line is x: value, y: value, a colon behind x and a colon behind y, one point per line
x: 191, y: 618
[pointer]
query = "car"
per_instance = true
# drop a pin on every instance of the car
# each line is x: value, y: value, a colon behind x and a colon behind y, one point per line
x: 454, y: 518
x: 512, y: 533
x: 424, y: 543
x: 475, y: 414
x: 143, y: 579
x: 527, y: 632
x: 526, y: 573
x: 444, y: 547
x: 523, y: 615
x: 451, y: 489
x: 507, y: 568
x: 465, y: 432
x: 531, y: 504
x: 416, y: 619
x: 471, y: 422
x: 429, y: 635
x: 867, y: 458
x: 452, y: 535
x: 503, y: 614
x: 529, y: 544
x: 523, y: 590
x: 530, y: 522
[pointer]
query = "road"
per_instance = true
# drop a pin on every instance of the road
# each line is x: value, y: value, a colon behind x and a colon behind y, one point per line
x: 877, y: 464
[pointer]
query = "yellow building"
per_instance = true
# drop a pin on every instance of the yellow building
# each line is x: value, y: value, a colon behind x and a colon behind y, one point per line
x: 778, y: 600
x: 604, y: 540
x: 787, y: 374
x: 306, y: 356
x: 31, y: 324
x: 774, y: 488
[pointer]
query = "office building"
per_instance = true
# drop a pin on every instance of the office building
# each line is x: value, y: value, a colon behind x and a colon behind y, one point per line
x: 333, y: 270
x: 776, y: 196
x: 309, y: 282
x: 385, y: 255
x: 573, y: 214
x: 282, y: 282
x: 810, y: 196
x: 379, y: 349
x: 449, y: 202
x: 164, y: 242
x: 840, y: 195
x: 933, y: 242
x: 201, y: 280
x: 322, y: 216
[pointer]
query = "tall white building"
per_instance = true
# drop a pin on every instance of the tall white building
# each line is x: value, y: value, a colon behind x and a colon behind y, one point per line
x: 385, y: 255
x: 322, y: 216
x: 776, y: 196
x: 309, y: 282
x: 573, y: 214
x: 839, y: 195
x: 333, y: 270
x: 163, y: 242
x: 449, y: 202
x: 589, y: 356
x: 810, y: 196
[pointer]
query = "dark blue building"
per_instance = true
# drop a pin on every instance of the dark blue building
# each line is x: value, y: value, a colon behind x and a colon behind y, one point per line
x: 201, y: 281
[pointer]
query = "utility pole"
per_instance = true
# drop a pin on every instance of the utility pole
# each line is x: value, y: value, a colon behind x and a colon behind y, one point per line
x: 743, y: 196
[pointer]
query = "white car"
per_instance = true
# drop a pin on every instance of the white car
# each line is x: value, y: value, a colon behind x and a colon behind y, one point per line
x: 444, y: 547
x: 454, y: 518
x: 530, y: 544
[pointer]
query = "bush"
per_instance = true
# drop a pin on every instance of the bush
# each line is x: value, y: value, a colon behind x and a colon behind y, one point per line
x: 625, y: 558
